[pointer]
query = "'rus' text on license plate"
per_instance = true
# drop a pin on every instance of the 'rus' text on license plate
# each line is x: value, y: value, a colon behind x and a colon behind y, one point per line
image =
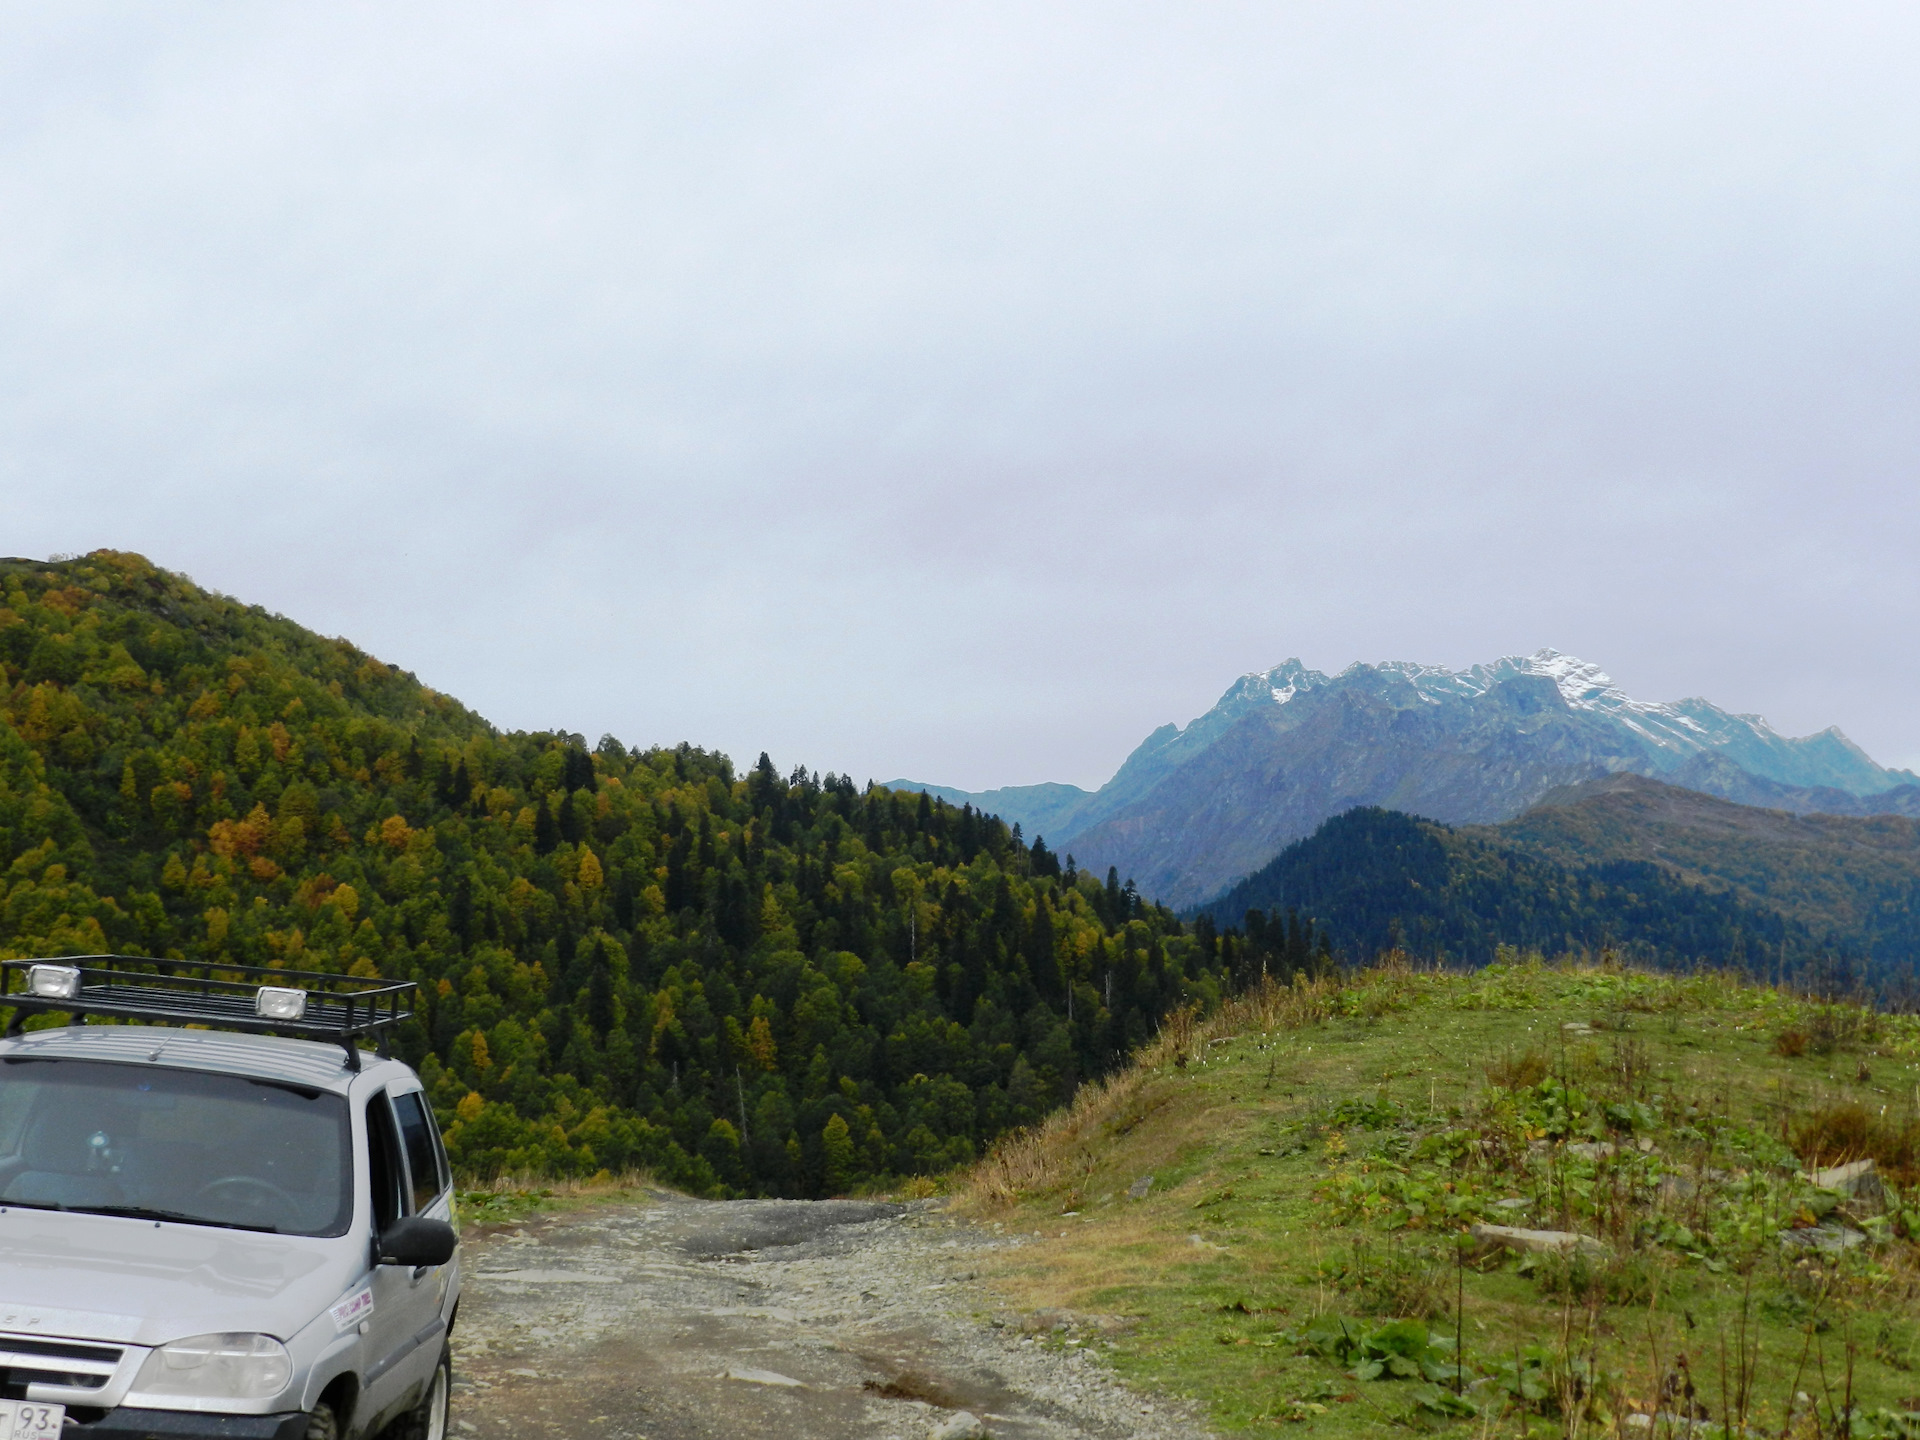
x: 24, y: 1420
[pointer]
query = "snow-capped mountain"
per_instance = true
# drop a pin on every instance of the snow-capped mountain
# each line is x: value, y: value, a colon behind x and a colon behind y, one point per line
x: 1195, y: 808
x: 1668, y: 733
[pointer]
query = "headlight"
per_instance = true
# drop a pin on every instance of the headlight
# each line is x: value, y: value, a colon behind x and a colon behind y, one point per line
x: 229, y: 1367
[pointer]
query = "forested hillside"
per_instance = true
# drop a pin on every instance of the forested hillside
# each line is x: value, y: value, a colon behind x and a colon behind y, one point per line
x: 1377, y: 880
x: 1853, y: 879
x: 754, y: 982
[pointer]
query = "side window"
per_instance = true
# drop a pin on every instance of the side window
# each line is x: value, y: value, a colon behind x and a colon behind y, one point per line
x: 16, y: 1098
x: 423, y: 1156
x: 385, y: 1174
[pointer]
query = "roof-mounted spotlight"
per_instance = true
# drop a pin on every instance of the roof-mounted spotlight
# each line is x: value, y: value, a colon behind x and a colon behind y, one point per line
x: 276, y: 1002
x: 54, y: 982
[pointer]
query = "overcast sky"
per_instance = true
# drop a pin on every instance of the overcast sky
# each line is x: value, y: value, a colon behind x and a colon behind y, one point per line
x: 960, y: 392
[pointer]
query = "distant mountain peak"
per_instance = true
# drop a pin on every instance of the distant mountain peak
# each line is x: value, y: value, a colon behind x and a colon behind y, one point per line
x: 1268, y: 687
x: 1580, y: 681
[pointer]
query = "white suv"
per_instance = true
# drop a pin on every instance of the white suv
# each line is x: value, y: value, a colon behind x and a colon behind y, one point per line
x: 208, y: 1234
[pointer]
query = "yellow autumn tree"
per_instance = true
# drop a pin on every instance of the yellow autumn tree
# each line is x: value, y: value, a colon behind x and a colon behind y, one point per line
x: 760, y: 1044
x: 591, y: 876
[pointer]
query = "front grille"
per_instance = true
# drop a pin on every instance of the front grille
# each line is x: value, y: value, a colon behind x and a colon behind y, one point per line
x: 71, y: 1363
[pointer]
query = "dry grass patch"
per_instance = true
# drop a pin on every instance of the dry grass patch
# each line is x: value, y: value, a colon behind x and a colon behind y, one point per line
x: 1051, y: 1155
x: 1517, y: 1072
x: 1061, y: 1153
x: 1838, y: 1133
x: 1080, y: 1267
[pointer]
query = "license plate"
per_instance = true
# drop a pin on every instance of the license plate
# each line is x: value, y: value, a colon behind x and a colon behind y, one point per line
x: 24, y: 1420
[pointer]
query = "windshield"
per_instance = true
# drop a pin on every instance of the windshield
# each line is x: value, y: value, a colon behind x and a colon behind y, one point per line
x: 180, y: 1144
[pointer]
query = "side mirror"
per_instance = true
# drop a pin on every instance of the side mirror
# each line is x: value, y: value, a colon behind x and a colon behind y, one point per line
x: 418, y: 1241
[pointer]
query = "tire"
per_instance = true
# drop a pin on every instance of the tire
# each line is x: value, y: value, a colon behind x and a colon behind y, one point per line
x: 429, y: 1420
x: 321, y: 1424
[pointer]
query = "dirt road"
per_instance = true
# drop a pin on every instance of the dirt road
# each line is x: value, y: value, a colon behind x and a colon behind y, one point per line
x: 788, y: 1320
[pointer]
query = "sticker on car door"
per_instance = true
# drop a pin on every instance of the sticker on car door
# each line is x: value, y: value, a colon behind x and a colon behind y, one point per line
x: 352, y: 1310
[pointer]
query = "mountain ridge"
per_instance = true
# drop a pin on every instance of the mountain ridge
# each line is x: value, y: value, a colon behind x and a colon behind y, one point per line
x: 1194, y: 808
x: 1853, y: 880
x: 1377, y: 880
x: 1655, y: 872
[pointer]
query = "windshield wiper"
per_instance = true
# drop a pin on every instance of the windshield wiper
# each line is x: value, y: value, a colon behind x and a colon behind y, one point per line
x: 31, y: 1205
x: 148, y: 1212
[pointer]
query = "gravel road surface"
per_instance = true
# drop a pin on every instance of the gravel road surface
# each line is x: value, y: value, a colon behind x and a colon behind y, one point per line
x: 698, y: 1320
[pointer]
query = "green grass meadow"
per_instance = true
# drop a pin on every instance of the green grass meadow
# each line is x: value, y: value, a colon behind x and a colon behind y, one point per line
x: 1303, y: 1257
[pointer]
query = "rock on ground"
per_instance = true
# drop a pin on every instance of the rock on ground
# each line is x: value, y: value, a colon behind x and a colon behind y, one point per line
x: 1540, y: 1242
x: 1860, y: 1180
x: 772, y: 1319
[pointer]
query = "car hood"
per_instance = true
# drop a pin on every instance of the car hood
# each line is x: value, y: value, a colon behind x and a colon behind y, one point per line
x: 102, y: 1277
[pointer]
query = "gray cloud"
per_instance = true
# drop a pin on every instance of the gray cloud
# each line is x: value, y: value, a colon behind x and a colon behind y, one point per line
x: 961, y: 393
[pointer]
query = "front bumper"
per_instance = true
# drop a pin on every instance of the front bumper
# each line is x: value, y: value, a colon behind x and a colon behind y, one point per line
x: 129, y: 1424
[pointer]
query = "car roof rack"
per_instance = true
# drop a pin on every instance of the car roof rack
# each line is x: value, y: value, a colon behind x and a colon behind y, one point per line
x: 308, y: 1004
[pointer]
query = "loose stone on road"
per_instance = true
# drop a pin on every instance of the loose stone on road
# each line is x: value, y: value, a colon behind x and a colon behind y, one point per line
x: 784, y: 1319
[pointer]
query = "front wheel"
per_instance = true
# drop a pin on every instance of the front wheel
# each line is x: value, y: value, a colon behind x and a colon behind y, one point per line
x: 429, y: 1420
x: 321, y: 1424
